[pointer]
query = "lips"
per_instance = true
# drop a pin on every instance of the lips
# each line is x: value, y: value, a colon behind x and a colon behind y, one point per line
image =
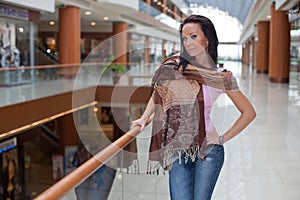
x: 190, y: 50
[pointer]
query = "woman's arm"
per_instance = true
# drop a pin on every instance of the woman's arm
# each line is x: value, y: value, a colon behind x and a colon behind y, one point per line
x: 247, y: 114
x: 145, y: 116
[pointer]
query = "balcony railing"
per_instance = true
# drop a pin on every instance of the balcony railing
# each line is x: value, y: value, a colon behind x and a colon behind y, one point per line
x: 73, y: 179
x: 158, y: 15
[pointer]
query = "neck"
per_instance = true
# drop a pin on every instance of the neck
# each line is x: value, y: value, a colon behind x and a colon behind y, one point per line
x: 205, y: 60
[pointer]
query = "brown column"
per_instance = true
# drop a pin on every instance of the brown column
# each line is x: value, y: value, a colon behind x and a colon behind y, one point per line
x: 253, y: 59
x: 147, y: 50
x: 262, y: 53
x: 279, y: 61
x: 247, y: 52
x: 163, y: 52
x: 174, y: 9
x: 120, y: 41
x: 69, y: 38
x: 164, y: 10
x: 243, y: 54
x: 67, y: 132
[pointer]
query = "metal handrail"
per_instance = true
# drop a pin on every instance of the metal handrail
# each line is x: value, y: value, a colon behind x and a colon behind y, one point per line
x: 73, y: 179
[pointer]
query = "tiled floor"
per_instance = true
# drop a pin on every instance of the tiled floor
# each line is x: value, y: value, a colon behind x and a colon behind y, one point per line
x: 262, y: 163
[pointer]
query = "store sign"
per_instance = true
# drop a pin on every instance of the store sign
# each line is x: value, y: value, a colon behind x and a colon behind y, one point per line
x: 8, y: 144
x: 12, y: 12
x: 41, y: 5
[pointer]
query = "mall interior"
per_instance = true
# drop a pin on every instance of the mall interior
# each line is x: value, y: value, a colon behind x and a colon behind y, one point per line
x: 74, y: 74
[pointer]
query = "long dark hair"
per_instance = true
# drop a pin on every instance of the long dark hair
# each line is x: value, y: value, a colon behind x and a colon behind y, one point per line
x: 210, y: 33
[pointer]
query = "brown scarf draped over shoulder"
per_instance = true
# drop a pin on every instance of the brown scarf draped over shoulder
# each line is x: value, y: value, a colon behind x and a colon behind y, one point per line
x: 178, y: 125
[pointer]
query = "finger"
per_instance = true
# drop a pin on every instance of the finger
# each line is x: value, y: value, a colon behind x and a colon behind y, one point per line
x: 133, y: 125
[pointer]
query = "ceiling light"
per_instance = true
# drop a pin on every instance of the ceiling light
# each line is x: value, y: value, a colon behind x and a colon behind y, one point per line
x: 106, y: 18
x: 93, y: 23
x: 88, y: 13
x: 96, y: 109
x: 51, y: 23
x: 269, y: 16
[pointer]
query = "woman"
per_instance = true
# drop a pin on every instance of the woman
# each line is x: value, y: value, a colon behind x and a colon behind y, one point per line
x: 185, y: 86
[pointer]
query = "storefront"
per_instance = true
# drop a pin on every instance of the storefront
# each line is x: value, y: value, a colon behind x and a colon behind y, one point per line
x: 11, y: 170
x: 17, y: 34
x: 294, y: 18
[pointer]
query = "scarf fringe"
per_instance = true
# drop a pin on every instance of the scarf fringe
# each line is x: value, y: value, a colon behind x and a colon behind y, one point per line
x: 164, y: 166
x: 157, y: 168
x: 134, y: 168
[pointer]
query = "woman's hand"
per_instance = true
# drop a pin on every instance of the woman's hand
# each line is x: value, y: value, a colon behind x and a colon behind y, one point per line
x: 212, y: 138
x: 144, y: 118
x: 139, y: 122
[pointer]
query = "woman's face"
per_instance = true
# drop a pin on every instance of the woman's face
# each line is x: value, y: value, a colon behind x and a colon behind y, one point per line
x: 194, y: 39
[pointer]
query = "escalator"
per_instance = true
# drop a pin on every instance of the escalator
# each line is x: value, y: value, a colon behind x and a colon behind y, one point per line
x: 45, y: 56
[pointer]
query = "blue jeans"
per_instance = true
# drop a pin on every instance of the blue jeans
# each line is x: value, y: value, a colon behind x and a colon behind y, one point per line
x: 196, y: 180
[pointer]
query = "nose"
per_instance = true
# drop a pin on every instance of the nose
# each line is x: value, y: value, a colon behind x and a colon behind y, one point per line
x: 188, y: 42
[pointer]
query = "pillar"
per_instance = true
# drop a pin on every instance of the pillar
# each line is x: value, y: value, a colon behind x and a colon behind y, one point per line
x: 279, y: 57
x: 148, y: 2
x: 164, y: 10
x: 247, y: 52
x: 147, y: 50
x: 67, y: 132
x: 174, y: 9
x: 243, y: 54
x: 262, y: 52
x: 253, y: 58
x: 69, y: 39
x: 120, y: 41
x: 164, y: 52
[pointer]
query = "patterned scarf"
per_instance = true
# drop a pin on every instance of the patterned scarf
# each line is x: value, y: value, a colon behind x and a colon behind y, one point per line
x: 178, y: 125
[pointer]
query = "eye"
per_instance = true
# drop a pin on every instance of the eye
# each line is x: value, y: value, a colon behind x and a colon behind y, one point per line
x: 194, y: 36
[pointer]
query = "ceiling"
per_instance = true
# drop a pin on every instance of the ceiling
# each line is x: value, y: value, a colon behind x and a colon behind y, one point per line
x: 235, y: 8
x: 248, y: 12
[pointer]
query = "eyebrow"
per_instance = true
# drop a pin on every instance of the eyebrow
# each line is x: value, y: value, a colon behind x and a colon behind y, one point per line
x: 193, y: 33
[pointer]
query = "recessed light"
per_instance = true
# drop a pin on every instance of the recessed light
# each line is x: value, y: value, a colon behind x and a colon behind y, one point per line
x: 105, y: 18
x: 51, y: 23
x: 269, y: 16
x: 96, y: 109
x: 88, y: 12
x: 93, y: 23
